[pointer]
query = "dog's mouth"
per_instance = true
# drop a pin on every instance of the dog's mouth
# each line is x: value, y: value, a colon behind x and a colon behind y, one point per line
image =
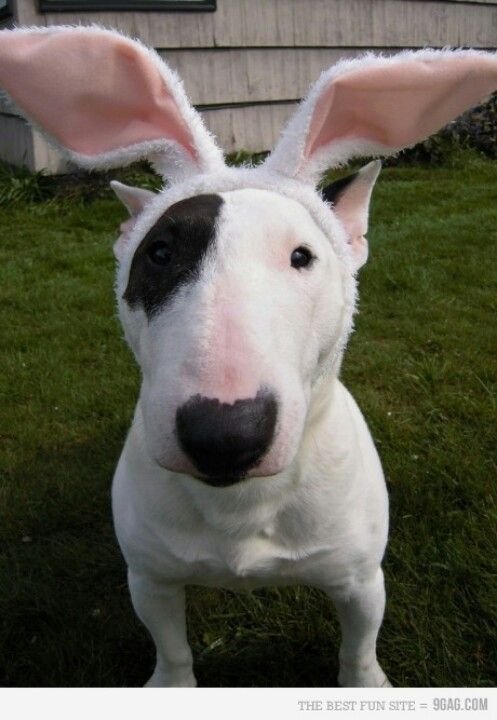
x: 222, y: 480
x: 219, y: 479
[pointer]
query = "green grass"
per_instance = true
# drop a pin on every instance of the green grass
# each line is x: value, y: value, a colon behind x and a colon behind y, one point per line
x: 422, y: 365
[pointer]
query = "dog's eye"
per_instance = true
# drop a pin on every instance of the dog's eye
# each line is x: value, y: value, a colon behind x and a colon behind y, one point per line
x: 159, y: 253
x: 301, y: 257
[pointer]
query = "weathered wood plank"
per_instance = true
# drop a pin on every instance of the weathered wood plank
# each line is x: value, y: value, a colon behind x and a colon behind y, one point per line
x: 27, y: 13
x: 300, y: 23
x: 237, y: 76
x: 46, y: 157
x: 253, y: 128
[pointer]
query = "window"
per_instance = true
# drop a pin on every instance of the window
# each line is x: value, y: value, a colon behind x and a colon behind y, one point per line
x: 137, y: 5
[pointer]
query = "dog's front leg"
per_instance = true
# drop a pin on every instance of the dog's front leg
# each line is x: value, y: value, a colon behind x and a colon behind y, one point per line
x: 360, y: 609
x: 161, y: 608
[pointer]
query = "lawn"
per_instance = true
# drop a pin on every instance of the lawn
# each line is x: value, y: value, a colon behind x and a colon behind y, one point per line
x: 422, y: 365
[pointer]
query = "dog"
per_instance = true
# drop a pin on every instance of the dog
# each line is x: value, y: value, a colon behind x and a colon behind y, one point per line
x: 248, y: 462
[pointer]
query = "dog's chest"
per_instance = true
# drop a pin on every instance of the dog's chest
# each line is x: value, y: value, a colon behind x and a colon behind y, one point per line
x: 221, y: 549
x: 210, y: 557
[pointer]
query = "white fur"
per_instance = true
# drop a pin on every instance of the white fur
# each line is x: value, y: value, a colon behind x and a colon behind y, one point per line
x: 322, y: 518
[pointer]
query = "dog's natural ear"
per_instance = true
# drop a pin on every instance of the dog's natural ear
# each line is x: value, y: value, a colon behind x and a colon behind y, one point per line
x: 105, y: 100
x: 376, y: 106
x: 134, y: 199
x: 350, y: 197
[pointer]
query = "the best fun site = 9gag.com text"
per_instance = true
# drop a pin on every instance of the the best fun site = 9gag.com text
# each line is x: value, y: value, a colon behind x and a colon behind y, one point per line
x: 438, y: 704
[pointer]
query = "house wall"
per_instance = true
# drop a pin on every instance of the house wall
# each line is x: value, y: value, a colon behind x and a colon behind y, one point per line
x: 246, y: 64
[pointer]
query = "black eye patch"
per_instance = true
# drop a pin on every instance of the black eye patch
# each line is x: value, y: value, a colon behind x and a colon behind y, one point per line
x: 171, y: 253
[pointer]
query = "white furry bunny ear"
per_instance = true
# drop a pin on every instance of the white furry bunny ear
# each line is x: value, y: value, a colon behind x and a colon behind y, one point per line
x: 105, y: 100
x: 377, y: 106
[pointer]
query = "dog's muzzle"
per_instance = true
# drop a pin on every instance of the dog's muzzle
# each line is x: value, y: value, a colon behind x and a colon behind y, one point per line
x: 224, y: 441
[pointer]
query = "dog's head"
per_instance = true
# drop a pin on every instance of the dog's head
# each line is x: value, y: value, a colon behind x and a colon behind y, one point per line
x: 235, y: 302
x: 236, y: 287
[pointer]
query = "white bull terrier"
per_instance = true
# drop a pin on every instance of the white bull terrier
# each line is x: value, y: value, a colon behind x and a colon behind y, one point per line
x: 248, y: 463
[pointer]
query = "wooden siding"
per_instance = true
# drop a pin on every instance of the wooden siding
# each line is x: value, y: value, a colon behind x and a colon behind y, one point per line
x: 246, y: 64
x: 252, y: 128
x: 44, y: 156
x: 299, y: 23
x: 256, y: 75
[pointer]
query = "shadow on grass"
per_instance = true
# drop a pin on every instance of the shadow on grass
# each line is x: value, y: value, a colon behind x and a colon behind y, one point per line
x: 274, y: 662
x: 67, y: 619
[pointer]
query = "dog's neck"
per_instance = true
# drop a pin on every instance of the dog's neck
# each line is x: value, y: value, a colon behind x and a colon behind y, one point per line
x: 322, y: 396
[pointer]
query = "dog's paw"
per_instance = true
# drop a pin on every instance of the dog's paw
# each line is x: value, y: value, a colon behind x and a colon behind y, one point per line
x: 373, y: 676
x: 172, y: 678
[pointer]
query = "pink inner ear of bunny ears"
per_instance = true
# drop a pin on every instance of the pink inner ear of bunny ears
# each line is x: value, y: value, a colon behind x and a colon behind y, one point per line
x: 93, y: 92
x: 399, y: 104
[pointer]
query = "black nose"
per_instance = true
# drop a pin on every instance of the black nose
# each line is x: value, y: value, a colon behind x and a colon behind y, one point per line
x: 225, y: 441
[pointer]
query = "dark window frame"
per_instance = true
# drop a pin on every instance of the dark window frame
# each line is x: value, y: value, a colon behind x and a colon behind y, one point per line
x: 130, y: 5
x: 6, y: 11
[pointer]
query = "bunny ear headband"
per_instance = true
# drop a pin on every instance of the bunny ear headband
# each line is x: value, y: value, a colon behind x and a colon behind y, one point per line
x: 106, y: 100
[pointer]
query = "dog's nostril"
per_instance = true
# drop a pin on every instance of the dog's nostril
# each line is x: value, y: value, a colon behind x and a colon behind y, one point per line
x: 226, y: 440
